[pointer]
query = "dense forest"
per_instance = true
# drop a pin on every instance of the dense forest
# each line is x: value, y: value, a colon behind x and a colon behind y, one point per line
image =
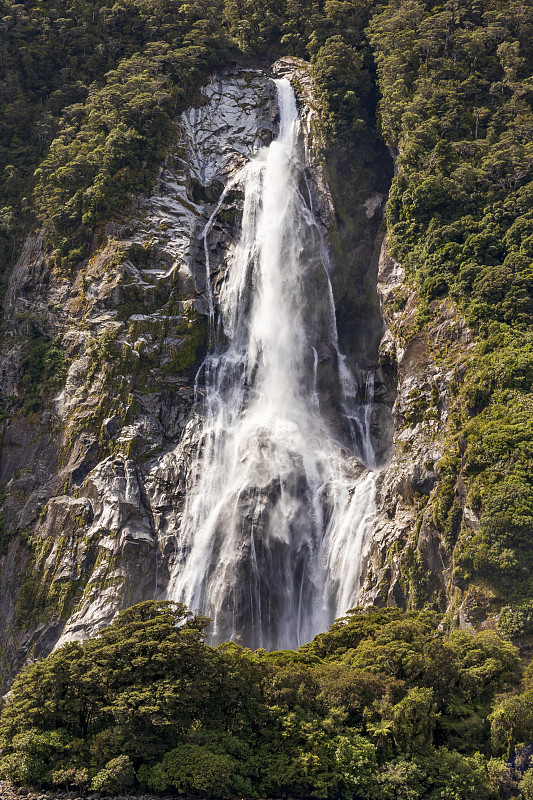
x: 387, y: 704
x: 382, y: 706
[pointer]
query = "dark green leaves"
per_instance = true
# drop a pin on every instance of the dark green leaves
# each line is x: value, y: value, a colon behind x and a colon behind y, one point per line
x: 147, y: 705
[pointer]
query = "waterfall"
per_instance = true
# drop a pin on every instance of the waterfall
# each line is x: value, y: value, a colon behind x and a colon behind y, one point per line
x: 280, y: 501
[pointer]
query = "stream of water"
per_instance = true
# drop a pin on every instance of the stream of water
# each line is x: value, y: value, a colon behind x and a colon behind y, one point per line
x: 280, y: 506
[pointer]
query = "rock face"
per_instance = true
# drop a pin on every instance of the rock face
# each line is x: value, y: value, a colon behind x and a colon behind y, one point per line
x: 84, y: 538
x: 94, y: 473
x: 408, y: 561
x: 95, y: 469
x: 94, y: 463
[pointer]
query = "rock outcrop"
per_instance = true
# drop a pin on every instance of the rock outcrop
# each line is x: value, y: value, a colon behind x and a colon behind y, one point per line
x: 90, y: 490
x: 94, y: 465
x: 95, y: 469
x: 421, y: 353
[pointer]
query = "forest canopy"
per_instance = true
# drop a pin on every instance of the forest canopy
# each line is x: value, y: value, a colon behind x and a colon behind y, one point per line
x: 384, y: 705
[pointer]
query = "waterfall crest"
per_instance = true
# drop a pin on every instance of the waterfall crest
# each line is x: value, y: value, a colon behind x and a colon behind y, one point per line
x: 280, y: 502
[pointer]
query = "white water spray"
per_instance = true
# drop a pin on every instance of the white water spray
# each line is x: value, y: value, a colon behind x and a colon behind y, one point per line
x: 278, y: 515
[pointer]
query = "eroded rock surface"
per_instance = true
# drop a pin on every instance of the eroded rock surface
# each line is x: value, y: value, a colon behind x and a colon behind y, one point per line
x: 83, y: 536
x: 408, y: 558
x: 95, y: 480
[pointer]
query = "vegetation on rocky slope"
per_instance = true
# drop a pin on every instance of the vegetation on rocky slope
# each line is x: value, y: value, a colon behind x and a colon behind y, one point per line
x: 456, y: 107
x: 384, y: 705
x: 86, y: 116
x: 89, y: 92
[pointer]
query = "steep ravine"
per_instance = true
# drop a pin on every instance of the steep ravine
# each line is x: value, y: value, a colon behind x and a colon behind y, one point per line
x: 95, y: 482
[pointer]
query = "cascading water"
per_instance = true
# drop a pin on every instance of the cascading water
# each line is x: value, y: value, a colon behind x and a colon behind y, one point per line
x: 279, y: 508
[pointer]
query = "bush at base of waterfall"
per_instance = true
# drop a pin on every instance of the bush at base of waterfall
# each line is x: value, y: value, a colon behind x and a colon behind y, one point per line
x: 382, y: 703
